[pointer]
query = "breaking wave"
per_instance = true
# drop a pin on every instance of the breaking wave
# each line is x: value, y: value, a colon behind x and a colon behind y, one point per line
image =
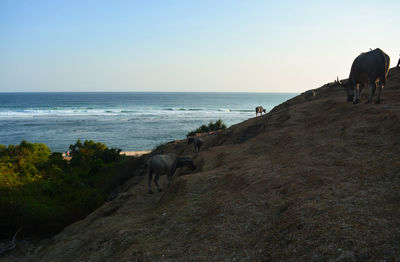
x: 115, y: 112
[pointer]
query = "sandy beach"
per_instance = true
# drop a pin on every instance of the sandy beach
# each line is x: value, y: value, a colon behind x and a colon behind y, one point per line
x: 127, y: 153
x: 135, y: 153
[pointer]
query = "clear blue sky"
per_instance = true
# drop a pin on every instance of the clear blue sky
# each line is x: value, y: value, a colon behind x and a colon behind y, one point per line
x: 208, y: 45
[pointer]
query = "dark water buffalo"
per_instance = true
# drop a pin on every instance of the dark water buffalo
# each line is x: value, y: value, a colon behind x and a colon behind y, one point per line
x: 370, y: 68
x: 197, y: 143
x: 166, y: 165
x: 260, y: 110
x: 309, y: 94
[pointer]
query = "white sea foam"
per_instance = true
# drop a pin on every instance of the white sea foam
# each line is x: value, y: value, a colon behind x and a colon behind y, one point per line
x: 114, y: 112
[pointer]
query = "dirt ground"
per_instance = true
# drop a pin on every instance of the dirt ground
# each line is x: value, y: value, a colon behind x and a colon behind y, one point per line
x: 316, y: 179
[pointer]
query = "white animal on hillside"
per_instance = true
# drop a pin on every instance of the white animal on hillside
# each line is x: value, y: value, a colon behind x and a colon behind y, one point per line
x: 260, y: 110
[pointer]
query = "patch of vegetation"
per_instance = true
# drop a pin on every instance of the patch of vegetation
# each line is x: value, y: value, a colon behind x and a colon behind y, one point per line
x: 159, y: 148
x: 42, y: 191
x: 219, y: 124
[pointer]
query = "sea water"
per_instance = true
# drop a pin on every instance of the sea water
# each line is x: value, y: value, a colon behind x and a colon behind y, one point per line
x: 128, y: 121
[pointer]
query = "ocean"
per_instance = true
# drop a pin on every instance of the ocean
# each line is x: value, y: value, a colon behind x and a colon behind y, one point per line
x: 128, y: 121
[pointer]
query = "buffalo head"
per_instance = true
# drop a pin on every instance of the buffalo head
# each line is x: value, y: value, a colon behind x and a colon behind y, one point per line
x: 185, y: 161
x: 348, y: 87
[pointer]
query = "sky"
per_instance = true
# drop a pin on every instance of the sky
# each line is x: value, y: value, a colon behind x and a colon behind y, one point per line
x: 188, y: 46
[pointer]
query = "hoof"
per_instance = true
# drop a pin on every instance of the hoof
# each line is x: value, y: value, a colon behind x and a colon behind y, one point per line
x: 369, y: 101
x: 378, y: 102
x: 159, y: 190
x: 356, y: 101
x: 150, y: 192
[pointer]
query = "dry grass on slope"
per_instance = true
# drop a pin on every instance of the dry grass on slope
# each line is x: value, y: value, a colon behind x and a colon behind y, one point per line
x: 314, y: 180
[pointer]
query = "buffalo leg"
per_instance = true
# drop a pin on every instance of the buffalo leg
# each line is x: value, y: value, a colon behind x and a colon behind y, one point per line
x: 356, y: 95
x: 371, y: 91
x: 150, y: 177
x: 378, y: 99
x: 156, y: 177
x: 169, y: 180
x: 360, y: 88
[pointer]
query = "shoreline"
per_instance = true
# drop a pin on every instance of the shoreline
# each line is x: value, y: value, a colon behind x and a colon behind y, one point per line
x: 127, y: 153
x: 135, y: 153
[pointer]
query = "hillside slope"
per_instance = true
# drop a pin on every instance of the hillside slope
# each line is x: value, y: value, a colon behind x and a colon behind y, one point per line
x: 316, y: 179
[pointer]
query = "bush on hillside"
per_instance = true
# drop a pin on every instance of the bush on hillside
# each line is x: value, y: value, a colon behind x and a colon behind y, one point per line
x: 40, y: 190
x: 219, y: 124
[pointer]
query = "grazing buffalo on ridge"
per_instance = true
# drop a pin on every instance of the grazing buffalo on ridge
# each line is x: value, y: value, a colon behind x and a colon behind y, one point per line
x: 368, y: 68
x: 260, y: 110
x: 309, y: 94
x: 166, y: 164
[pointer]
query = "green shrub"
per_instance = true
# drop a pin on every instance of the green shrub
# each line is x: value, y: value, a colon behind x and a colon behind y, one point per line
x: 43, y: 192
x: 219, y: 124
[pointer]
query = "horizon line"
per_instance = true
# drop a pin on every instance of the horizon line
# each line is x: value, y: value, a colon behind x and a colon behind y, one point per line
x: 11, y: 92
